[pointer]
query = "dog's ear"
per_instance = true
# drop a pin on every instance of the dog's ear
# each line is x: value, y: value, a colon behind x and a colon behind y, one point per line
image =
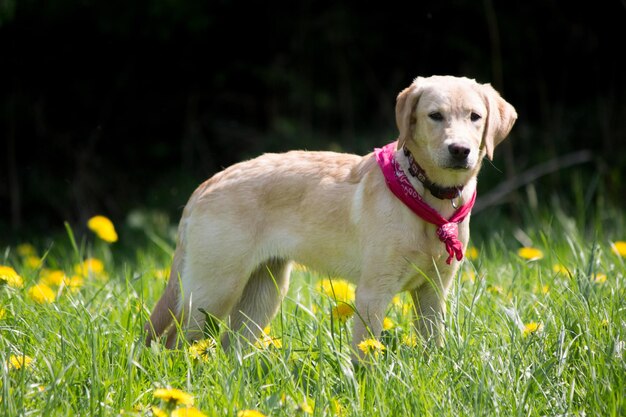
x: 405, y: 111
x: 500, y: 119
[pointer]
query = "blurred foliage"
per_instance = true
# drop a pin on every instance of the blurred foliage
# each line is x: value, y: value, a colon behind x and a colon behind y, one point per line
x: 109, y: 106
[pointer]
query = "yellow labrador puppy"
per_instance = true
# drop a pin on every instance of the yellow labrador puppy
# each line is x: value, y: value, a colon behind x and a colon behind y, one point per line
x: 394, y: 220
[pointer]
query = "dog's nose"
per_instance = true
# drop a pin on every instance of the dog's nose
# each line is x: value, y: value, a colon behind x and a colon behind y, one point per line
x: 459, y: 152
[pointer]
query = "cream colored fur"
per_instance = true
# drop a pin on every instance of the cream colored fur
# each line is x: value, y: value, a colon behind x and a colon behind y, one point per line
x: 334, y: 213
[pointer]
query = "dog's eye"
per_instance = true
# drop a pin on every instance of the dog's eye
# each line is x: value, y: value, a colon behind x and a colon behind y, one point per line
x: 436, y: 116
x: 475, y: 116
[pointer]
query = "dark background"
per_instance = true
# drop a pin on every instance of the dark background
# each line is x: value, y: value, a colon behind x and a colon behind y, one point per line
x: 111, y: 106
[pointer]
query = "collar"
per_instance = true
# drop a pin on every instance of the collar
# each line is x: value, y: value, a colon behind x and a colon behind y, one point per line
x: 399, y: 184
x: 442, y: 193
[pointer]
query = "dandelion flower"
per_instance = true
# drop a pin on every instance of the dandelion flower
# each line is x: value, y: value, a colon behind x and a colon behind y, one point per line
x: 371, y: 346
x: 560, y: 269
x: 187, y: 412
x: 90, y: 266
x: 532, y: 328
x: 530, y: 254
x: 54, y: 278
x: 18, y: 362
x: 41, y: 294
x: 409, y: 340
x: 33, y: 262
x: 202, y: 349
x: 598, y: 278
x: 306, y: 406
x: 266, y: 341
x: 342, y: 311
x: 471, y: 253
x: 103, y: 228
x: 250, y: 413
x: 388, y: 324
x: 619, y: 248
x: 75, y: 283
x: 3, y: 313
x: 157, y: 412
x: 26, y: 249
x: 173, y: 396
x: 9, y: 277
x: 339, y: 289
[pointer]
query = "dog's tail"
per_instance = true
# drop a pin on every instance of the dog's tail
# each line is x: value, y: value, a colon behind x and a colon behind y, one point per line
x: 167, y: 308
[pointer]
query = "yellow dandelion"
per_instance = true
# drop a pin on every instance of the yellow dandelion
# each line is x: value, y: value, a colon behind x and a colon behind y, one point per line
x: 90, y: 266
x: 307, y: 406
x: 75, y: 283
x: 396, y: 301
x: 409, y: 340
x: 26, y: 249
x: 339, y: 289
x: 41, y: 294
x: 543, y: 289
x: 619, y: 248
x: 530, y: 254
x: 3, y: 313
x: 16, y: 362
x: 471, y: 253
x: 532, y: 328
x: 33, y: 262
x: 371, y: 346
x: 9, y: 277
x: 342, y: 311
x: 266, y: 341
x: 187, y: 412
x: 54, y: 278
x: 173, y: 396
x: 250, y: 413
x: 157, y: 412
x: 203, y: 349
x: 406, y: 308
x: 598, y: 278
x: 103, y: 228
x: 560, y: 269
x: 388, y: 324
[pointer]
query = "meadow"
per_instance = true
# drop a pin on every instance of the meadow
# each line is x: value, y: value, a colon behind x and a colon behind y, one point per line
x: 536, y: 326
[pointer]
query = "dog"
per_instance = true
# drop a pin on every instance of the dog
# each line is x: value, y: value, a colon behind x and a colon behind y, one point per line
x: 338, y: 214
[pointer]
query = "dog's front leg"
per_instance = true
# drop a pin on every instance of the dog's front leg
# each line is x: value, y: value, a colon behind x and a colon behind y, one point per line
x: 371, y: 304
x: 430, y: 308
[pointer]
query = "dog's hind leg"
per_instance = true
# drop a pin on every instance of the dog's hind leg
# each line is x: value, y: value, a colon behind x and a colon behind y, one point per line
x: 259, y: 301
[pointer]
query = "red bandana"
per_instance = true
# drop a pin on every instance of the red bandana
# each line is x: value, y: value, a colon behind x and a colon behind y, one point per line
x: 399, y: 184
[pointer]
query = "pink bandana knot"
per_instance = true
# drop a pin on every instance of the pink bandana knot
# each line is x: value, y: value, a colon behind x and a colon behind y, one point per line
x: 449, y: 234
x: 400, y: 186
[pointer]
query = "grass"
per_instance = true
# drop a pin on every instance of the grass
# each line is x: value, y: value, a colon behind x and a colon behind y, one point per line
x: 523, y: 337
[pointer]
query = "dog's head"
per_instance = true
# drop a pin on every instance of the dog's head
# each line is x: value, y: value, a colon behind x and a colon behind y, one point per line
x: 449, y: 124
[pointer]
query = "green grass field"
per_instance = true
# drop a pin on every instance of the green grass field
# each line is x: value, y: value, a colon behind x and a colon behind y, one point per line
x: 524, y: 337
